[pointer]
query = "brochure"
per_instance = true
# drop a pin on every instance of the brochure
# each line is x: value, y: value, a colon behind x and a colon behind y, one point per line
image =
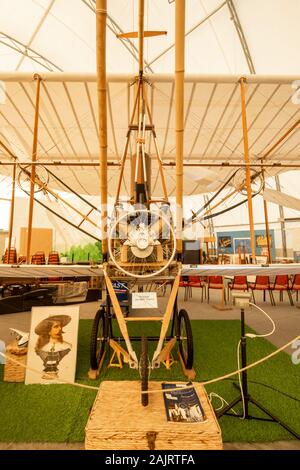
x: 183, y: 404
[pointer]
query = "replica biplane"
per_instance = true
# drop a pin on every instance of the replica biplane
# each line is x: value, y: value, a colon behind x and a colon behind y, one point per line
x: 141, y: 234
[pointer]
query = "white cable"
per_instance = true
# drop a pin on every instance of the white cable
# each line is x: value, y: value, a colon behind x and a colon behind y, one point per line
x: 213, y: 394
x: 252, y: 335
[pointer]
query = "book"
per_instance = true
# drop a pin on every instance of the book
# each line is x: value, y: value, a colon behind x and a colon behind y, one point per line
x: 182, y: 404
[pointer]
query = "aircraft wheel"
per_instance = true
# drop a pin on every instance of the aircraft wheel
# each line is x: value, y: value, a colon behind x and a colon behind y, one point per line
x: 185, y: 339
x: 98, y: 338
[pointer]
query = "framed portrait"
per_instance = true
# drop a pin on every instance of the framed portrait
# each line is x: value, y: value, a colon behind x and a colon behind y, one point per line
x: 52, y: 347
x: 261, y: 240
x: 242, y: 245
x: 225, y: 242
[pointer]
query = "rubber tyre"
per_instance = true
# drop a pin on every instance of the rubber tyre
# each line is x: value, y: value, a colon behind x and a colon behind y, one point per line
x: 185, y: 339
x: 98, y: 338
x: 144, y: 370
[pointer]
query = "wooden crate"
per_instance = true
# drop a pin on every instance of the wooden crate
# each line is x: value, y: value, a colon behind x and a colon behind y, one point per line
x: 14, y: 372
x: 118, y: 421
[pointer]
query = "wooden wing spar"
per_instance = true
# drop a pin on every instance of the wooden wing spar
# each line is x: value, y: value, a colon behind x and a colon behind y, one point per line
x: 146, y: 34
x: 45, y: 271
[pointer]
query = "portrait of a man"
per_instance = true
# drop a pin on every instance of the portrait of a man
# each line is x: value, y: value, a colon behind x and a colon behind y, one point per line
x: 52, y: 348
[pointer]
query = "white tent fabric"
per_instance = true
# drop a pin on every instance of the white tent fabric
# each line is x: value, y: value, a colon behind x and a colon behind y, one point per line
x: 222, y: 37
x: 282, y: 199
x: 57, y: 35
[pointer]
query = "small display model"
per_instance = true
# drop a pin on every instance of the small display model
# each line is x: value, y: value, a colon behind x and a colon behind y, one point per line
x: 183, y: 404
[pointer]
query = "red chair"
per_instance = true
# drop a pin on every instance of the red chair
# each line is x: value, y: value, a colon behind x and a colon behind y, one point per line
x: 281, y: 284
x: 197, y: 282
x: 184, y: 282
x: 215, y: 282
x: 296, y: 285
x: 262, y: 283
x: 238, y: 283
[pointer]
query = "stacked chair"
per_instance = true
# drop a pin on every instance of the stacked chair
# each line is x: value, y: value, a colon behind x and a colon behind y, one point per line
x: 38, y: 258
x: 11, y: 257
x: 53, y: 257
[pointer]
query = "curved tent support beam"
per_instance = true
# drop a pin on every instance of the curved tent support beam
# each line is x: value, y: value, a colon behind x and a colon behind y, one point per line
x: 26, y: 51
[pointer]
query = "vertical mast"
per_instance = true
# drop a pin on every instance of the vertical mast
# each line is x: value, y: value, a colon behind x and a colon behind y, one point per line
x: 33, y: 168
x: 247, y: 167
x: 101, y: 14
x: 179, y: 100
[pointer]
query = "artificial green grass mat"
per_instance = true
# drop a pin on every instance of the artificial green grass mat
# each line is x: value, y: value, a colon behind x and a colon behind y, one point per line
x: 59, y: 413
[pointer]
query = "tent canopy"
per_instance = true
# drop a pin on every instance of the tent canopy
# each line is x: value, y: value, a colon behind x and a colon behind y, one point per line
x: 58, y: 35
x: 225, y: 39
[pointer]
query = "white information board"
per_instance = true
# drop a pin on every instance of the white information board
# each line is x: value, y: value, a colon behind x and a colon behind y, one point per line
x: 144, y: 300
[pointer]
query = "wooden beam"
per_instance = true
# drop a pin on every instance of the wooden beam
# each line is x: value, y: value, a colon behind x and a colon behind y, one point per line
x: 167, y: 318
x: 296, y: 124
x: 121, y: 320
x: 126, y: 146
x: 179, y: 102
x: 33, y: 168
x: 12, y: 210
x: 166, y: 351
x: 162, y: 176
x: 267, y: 221
x: 101, y: 15
x: 135, y: 34
x: 141, y: 36
x: 247, y: 167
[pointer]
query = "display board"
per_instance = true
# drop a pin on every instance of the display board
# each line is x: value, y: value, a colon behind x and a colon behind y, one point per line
x: 41, y: 240
x: 231, y: 242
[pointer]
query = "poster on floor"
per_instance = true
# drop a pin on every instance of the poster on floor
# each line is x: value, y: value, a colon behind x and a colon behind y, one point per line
x: 52, y: 348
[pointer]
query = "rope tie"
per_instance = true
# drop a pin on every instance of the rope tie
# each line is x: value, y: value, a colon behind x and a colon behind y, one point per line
x: 207, y: 382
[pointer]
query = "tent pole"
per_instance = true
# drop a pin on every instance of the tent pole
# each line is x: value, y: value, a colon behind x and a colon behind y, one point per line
x: 179, y: 101
x: 101, y: 14
x: 267, y: 221
x: 126, y: 149
x: 282, y: 220
x: 12, y: 210
x: 247, y: 167
x: 33, y: 167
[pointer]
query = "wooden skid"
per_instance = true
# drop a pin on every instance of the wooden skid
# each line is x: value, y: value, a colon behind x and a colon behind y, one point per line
x: 93, y: 374
x: 189, y: 373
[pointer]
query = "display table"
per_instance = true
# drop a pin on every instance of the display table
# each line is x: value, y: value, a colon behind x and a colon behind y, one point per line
x: 118, y: 421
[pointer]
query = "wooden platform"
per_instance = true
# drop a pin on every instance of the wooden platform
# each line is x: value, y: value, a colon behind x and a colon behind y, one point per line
x: 118, y: 421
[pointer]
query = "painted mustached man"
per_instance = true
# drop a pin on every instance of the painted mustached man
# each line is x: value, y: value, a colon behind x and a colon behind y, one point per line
x: 51, y: 347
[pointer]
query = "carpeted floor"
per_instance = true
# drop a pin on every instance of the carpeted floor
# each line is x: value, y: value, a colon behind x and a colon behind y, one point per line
x: 58, y: 413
